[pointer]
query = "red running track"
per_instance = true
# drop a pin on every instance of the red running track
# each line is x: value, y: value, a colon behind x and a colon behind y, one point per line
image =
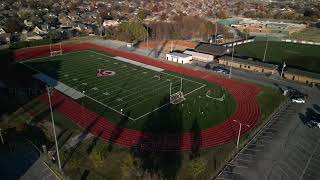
x: 247, y: 109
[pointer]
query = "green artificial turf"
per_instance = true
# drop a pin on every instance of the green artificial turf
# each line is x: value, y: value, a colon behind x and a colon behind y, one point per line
x: 143, y: 98
x: 302, y: 56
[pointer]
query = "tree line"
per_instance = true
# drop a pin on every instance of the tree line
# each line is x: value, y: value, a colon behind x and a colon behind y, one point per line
x: 183, y: 27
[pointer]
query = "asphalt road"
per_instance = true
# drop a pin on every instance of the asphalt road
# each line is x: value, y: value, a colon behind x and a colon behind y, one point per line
x: 22, y: 161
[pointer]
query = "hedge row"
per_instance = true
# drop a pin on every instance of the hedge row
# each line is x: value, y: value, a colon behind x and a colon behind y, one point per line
x: 24, y: 44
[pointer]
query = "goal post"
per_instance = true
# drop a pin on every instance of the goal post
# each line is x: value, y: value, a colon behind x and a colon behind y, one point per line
x: 177, y: 97
x: 55, y: 49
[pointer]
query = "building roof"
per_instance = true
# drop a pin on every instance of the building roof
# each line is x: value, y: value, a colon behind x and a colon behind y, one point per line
x: 249, y: 62
x: 182, y: 55
x: 199, y: 54
x: 212, y: 49
x: 303, y: 73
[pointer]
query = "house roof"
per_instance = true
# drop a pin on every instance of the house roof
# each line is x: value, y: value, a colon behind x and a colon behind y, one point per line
x: 211, y: 49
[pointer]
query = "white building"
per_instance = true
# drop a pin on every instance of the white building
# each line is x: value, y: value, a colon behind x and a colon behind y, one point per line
x: 107, y: 23
x: 179, y: 57
x: 200, y: 56
x: 2, y: 31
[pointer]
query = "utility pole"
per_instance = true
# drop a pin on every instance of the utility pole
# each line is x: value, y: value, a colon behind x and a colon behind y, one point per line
x: 239, y: 133
x: 147, y: 39
x: 54, y: 128
x: 232, y: 57
x: 216, y: 33
x: 284, y: 65
x: 265, y: 51
x: 1, y: 136
x: 82, y: 107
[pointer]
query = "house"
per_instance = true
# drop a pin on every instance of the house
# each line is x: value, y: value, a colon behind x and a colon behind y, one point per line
x: 39, y: 31
x: 2, y: 31
x: 108, y: 23
x: 27, y: 23
x: 179, y: 57
x: 29, y: 36
x: 5, y: 38
x: 80, y: 27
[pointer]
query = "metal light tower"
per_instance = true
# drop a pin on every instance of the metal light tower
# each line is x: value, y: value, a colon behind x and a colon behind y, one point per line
x: 265, y: 51
x: 147, y: 40
x: 232, y: 57
x: 239, y: 133
x: 1, y: 136
x: 49, y: 89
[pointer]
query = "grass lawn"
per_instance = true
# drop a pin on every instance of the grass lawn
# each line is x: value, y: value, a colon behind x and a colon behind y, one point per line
x: 309, y: 34
x: 137, y: 92
x: 302, y: 56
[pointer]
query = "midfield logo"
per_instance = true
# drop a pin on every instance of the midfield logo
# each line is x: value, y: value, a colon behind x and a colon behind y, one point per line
x: 104, y: 73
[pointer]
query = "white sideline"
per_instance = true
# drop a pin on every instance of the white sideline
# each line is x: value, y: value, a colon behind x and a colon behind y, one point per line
x: 138, y: 64
x: 74, y: 94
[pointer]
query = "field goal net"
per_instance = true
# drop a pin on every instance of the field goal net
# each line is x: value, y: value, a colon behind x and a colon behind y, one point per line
x: 177, y: 97
x: 55, y: 50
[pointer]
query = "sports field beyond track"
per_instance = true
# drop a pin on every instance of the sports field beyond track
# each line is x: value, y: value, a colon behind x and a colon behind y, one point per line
x: 302, y: 56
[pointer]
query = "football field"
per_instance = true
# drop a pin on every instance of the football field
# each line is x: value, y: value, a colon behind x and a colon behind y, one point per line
x: 302, y: 56
x: 120, y: 88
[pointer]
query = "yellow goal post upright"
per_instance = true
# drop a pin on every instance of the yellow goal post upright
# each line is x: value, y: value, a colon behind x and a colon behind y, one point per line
x: 55, y: 49
x: 177, y: 97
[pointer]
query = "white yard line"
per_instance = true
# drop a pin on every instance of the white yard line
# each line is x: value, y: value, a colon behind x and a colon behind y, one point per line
x: 52, y: 57
x: 108, y: 107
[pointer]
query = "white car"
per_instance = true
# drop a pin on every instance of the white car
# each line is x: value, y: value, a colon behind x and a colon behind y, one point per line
x: 298, y: 100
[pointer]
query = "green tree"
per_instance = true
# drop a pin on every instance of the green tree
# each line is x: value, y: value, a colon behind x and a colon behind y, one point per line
x: 142, y: 14
x: 129, y: 167
x: 131, y: 31
x: 97, y: 158
x: 196, y: 168
x: 13, y: 25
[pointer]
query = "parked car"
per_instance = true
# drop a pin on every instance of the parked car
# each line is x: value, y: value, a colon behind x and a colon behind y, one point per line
x: 221, y: 70
x: 298, y: 100
x: 313, y: 124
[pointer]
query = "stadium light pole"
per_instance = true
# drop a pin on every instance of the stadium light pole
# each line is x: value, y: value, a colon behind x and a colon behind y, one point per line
x: 216, y: 31
x: 283, y: 66
x: 147, y: 40
x: 239, y: 133
x: 265, y: 51
x: 1, y: 136
x: 54, y: 129
x: 83, y: 114
x: 232, y: 56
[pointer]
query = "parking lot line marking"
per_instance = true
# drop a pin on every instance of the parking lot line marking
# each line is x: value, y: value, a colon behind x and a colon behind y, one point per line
x: 246, y: 160
x: 252, y: 155
x: 231, y: 172
x: 258, y: 145
x: 252, y: 149
x: 222, y: 178
x: 239, y: 166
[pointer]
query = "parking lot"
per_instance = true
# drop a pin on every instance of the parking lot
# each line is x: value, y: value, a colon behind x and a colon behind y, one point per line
x: 286, y: 148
